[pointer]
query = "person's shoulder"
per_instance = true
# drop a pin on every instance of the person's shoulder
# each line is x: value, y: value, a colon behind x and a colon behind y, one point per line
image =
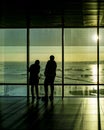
x: 48, y: 61
x: 55, y: 62
x: 32, y: 65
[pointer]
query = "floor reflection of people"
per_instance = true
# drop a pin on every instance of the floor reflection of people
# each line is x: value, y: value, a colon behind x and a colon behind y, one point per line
x: 50, y: 73
x: 34, y: 78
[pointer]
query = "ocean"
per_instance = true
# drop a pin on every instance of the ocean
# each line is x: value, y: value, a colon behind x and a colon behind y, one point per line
x: 74, y: 73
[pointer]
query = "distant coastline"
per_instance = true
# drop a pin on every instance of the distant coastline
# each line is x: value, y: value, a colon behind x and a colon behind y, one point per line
x: 90, y: 62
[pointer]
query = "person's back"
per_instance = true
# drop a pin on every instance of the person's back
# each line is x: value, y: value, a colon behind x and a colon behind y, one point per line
x: 50, y: 73
x: 34, y: 78
x: 50, y: 70
x: 34, y: 70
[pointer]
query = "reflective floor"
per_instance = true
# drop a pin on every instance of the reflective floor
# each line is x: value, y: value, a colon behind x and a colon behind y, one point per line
x: 67, y: 114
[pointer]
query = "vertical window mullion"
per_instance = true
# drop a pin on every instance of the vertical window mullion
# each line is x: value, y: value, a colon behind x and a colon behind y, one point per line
x: 98, y: 53
x: 28, y: 43
x: 62, y: 56
x: 98, y: 101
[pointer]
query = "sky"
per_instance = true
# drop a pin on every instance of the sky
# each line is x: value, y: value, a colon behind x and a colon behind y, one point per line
x: 79, y: 44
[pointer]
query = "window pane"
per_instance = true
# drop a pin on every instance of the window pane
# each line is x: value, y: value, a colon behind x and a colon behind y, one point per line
x: 101, y: 56
x: 80, y: 90
x: 80, y: 56
x: 57, y: 90
x: 13, y: 61
x: 13, y: 56
x: 101, y: 74
x: 13, y: 90
x: 43, y: 43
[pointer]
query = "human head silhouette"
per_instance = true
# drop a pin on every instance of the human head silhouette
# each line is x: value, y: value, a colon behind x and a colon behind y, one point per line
x: 52, y: 57
x: 37, y: 62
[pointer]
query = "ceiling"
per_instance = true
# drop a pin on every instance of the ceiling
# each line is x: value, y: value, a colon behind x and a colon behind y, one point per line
x: 51, y: 13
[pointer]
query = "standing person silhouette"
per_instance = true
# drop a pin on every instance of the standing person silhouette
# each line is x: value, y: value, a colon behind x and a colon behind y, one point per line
x: 34, y: 78
x: 50, y: 73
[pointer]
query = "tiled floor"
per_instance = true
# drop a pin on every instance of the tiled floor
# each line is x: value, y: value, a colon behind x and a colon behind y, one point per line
x: 67, y: 114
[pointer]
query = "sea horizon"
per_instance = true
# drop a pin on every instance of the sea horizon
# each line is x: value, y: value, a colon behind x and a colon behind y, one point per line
x: 84, y: 72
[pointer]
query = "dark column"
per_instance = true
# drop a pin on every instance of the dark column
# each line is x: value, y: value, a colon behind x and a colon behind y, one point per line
x: 28, y: 42
x: 62, y: 56
x: 98, y: 100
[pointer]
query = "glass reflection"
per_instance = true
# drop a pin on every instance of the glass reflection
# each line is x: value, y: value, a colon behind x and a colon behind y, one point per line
x: 94, y: 73
x: 57, y: 90
x: 13, y: 56
x: 80, y: 56
x: 101, y: 55
x: 80, y: 90
x: 13, y: 90
x: 43, y: 43
x: 13, y: 61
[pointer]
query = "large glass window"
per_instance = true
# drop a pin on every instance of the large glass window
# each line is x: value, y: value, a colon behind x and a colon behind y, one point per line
x: 12, y: 57
x: 80, y: 57
x: 43, y: 43
x: 101, y: 61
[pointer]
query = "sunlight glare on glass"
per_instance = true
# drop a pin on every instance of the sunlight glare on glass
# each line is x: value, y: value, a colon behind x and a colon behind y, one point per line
x: 94, y: 73
x: 95, y: 37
